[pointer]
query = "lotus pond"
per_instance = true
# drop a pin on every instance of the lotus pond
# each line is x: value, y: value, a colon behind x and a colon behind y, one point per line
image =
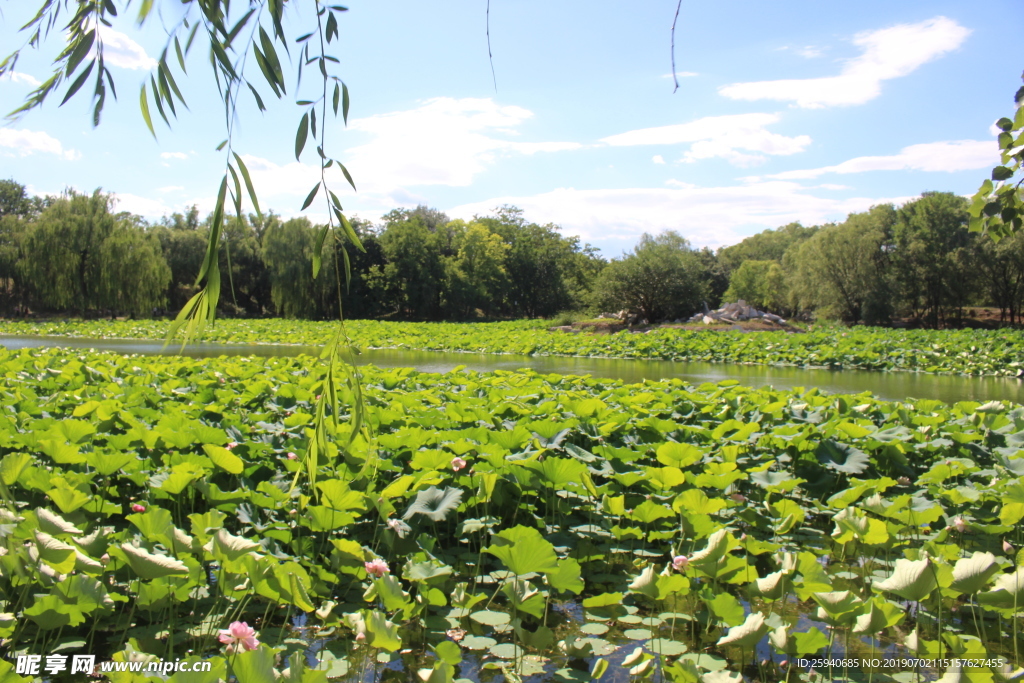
x: 500, y: 526
x: 967, y: 352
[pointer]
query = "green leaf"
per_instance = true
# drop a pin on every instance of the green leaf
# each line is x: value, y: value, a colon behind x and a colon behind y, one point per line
x: 248, y: 183
x: 300, y: 136
x: 911, y: 579
x: 254, y: 666
x: 970, y: 574
x: 523, y: 550
x: 78, y: 82
x: 148, y: 565
x: 144, y: 106
x: 310, y: 197
x: 348, y: 176
x: 318, y: 248
x: 746, y: 634
x: 82, y: 47
x: 224, y: 459
x: 435, y: 503
x: 998, y: 173
x: 337, y: 96
x: 344, y: 104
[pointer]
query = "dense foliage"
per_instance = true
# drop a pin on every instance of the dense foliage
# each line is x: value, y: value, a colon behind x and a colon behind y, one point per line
x: 967, y: 352
x: 77, y: 255
x: 917, y: 261
x: 521, y: 522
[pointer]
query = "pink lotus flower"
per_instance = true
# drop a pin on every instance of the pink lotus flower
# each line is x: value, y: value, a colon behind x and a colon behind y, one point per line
x: 231, y: 444
x: 679, y: 562
x: 960, y: 524
x: 1007, y: 548
x: 292, y: 456
x: 377, y: 568
x: 360, y: 637
x: 739, y: 497
x: 138, y: 508
x: 458, y: 463
x: 239, y: 633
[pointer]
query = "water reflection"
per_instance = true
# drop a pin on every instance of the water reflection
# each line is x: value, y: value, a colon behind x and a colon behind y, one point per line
x: 886, y: 385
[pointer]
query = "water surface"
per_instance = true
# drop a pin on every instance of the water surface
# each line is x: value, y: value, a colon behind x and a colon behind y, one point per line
x: 886, y: 385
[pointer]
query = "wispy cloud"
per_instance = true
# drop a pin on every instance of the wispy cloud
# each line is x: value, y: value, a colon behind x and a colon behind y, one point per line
x: 949, y: 156
x: 21, y: 77
x: 887, y: 53
x: 732, y: 137
x: 23, y: 142
x: 173, y: 155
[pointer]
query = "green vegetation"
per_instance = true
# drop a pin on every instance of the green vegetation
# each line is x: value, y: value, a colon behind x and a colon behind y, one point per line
x: 967, y: 352
x: 531, y: 520
x: 917, y: 261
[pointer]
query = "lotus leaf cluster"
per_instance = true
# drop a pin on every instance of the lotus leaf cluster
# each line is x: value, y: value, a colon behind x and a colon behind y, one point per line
x: 592, y: 530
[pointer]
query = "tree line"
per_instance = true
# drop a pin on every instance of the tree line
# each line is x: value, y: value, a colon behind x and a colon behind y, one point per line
x: 76, y: 254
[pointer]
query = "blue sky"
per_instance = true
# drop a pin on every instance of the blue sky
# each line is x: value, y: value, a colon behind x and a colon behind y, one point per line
x: 796, y: 110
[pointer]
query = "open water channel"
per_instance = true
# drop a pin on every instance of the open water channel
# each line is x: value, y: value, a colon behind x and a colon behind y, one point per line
x: 885, y: 385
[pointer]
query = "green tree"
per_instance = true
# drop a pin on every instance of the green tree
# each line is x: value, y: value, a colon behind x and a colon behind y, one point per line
x: 134, y: 276
x: 1001, y: 271
x: 844, y: 270
x: 414, y: 274
x: 476, y: 275
x: 287, y: 250
x: 759, y: 283
x: 768, y: 245
x: 660, y: 279
x: 933, y: 258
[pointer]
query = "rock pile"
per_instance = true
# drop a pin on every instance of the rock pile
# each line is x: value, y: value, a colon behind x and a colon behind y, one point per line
x: 735, y: 312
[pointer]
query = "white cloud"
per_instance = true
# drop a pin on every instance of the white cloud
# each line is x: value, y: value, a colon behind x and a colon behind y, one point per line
x: 120, y: 50
x: 19, y: 77
x: 141, y: 206
x: 173, y: 155
x: 444, y: 141
x: 707, y: 216
x: 949, y: 156
x: 730, y: 137
x: 26, y: 142
x: 887, y: 53
x: 658, y: 159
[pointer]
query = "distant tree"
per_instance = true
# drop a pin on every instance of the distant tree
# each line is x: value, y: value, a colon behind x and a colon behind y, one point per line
x: 287, y: 249
x: 80, y: 256
x: 476, y: 275
x: 768, y: 245
x: 715, y: 275
x: 1001, y: 271
x: 933, y: 256
x: 414, y: 273
x: 660, y: 279
x: 547, y: 272
x: 759, y: 283
x: 136, y: 275
x: 844, y: 270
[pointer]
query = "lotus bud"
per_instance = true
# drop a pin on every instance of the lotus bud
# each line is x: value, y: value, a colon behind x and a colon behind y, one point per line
x: 231, y: 444
x: 457, y: 464
x: 960, y: 524
x: 680, y: 562
x: 138, y: 508
x: 903, y: 481
x: 739, y: 497
x: 1007, y: 548
x: 360, y: 637
x: 784, y: 663
x: 105, y: 559
x: 293, y: 512
x: 292, y: 456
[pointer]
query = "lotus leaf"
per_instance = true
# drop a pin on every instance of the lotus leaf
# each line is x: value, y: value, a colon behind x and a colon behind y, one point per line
x: 435, y: 503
